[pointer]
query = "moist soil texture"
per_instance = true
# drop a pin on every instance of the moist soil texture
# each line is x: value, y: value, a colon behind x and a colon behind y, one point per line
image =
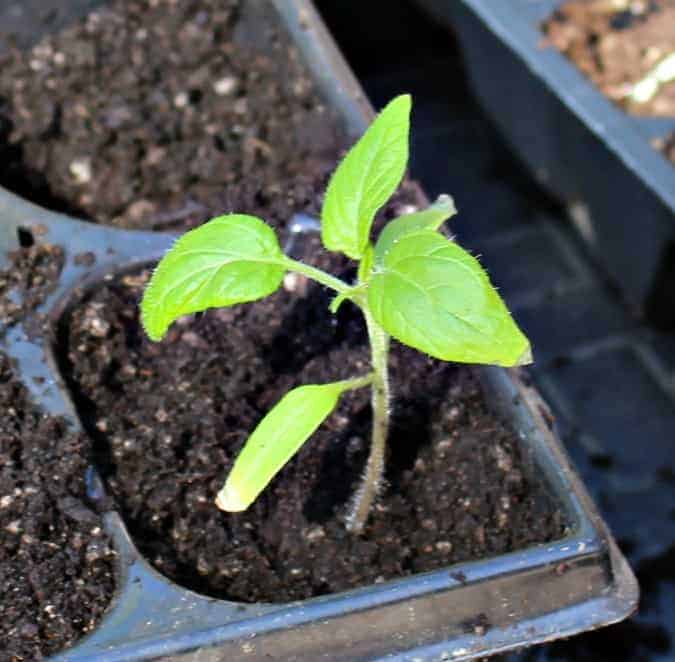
x: 56, y: 561
x: 150, y: 114
x: 30, y: 277
x: 616, y: 44
x: 170, y: 418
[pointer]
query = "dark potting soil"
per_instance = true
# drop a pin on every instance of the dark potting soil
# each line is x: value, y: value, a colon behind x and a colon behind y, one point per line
x: 150, y: 114
x: 28, y: 280
x: 170, y: 418
x: 616, y: 44
x: 56, y: 562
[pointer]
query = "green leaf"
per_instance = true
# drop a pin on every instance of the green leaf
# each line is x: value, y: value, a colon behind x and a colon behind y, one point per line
x: 430, y: 218
x: 432, y: 295
x: 276, y: 439
x: 231, y: 259
x: 366, y: 264
x: 336, y: 303
x: 366, y: 179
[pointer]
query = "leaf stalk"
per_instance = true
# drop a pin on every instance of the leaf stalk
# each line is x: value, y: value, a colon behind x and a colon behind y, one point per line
x: 318, y: 275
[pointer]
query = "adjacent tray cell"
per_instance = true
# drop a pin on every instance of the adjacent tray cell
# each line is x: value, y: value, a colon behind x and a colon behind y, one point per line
x: 581, y: 147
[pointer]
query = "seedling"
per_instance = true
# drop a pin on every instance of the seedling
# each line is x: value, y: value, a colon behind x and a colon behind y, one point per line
x: 413, y: 284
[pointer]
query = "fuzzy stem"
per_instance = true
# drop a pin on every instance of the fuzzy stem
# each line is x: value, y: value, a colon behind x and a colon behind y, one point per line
x: 318, y: 275
x: 372, y: 478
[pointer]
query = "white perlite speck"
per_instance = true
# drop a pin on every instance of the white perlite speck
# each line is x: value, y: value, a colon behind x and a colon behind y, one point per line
x: 80, y: 169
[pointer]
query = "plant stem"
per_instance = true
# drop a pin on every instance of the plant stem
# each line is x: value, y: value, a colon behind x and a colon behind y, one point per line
x: 318, y: 275
x: 357, y: 382
x: 372, y: 478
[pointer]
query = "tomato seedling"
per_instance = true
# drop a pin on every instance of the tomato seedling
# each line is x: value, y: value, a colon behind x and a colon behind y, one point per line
x: 413, y: 284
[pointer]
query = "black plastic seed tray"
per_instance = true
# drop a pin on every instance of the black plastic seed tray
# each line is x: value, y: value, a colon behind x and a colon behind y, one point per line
x: 580, y: 146
x: 535, y: 595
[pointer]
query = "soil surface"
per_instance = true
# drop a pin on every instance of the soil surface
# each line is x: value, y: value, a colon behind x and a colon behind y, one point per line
x: 56, y: 562
x: 616, y: 43
x: 150, y: 114
x: 170, y: 418
x: 27, y: 282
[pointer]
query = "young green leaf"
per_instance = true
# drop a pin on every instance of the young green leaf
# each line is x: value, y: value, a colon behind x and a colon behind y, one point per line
x: 366, y: 264
x: 277, y: 438
x: 366, y: 179
x: 430, y: 218
x: 432, y: 295
x: 231, y: 259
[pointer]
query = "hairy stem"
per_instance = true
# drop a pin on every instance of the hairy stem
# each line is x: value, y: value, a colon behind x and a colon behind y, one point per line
x: 372, y: 478
x: 318, y: 275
